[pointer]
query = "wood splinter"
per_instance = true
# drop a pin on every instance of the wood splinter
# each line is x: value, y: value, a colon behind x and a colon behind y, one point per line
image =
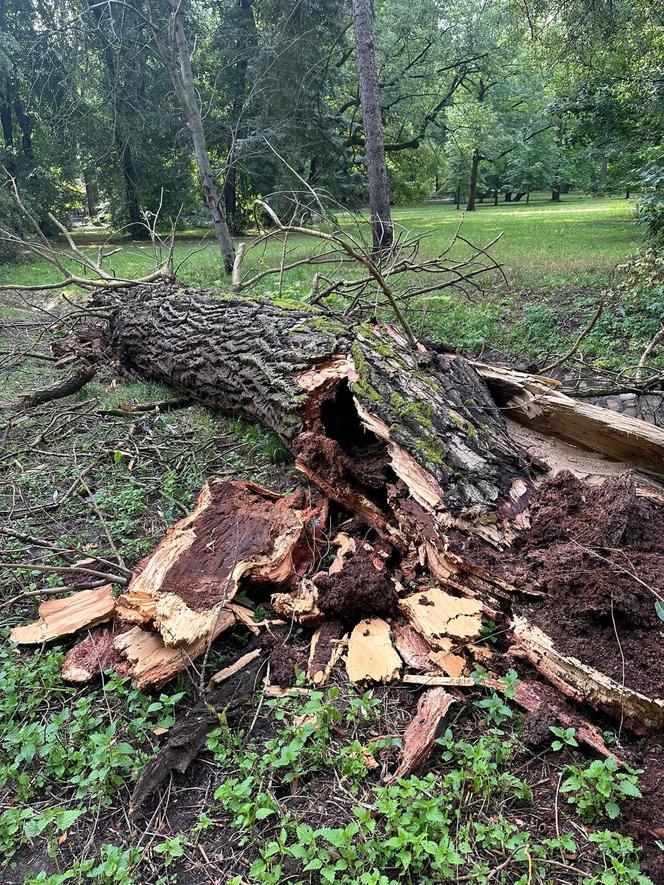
x: 62, y: 617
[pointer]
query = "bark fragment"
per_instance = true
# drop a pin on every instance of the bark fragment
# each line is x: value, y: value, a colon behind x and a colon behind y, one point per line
x: 420, y: 735
x: 326, y: 648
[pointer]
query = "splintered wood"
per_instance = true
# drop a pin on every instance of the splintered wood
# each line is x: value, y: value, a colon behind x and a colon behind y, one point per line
x: 61, y: 617
x: 583, y: 683
x: 326, y: 648
x: 179, y: 598
x: 533, y: 400
x: 237, y: 530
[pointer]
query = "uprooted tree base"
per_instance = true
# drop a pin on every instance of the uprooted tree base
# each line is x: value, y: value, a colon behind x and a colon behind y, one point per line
x: 433, y: 518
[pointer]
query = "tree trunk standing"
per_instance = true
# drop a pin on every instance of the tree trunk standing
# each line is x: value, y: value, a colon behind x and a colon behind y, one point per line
x: 189, y: 100
x: 7, y: 125
x: 244, y: 29
x: 495, y: 196
x: 91, y: 193
x: 25, y: 125
x: 472, y: 187
x: 555, y: 194
x: 457, y: 196
x: 508, y: 196
x: 136, y: 224
x: 178, y: 65
x: 379, y: 195
x: 136, y: 227
x: 601, y: 181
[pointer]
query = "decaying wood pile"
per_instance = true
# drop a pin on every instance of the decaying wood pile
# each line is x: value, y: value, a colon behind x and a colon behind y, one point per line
x: 444, y: 497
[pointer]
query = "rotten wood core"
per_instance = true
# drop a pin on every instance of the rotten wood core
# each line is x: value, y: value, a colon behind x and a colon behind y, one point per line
x: 431, y: 489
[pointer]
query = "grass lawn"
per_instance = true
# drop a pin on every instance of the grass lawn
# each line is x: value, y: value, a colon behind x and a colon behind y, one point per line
x: 578, y: 240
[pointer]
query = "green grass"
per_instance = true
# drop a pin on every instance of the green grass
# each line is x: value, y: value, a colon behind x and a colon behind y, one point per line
x: 545, y: 243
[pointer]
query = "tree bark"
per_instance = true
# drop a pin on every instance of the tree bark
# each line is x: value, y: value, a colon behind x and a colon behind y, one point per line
x: 189, y: 100
x: 136, y: 227
x: 361, y: 411
x: 472, y: 187
x: 178, y: 65
x: 379, y: 195
x: 244, y: 27
x: 555, y: 194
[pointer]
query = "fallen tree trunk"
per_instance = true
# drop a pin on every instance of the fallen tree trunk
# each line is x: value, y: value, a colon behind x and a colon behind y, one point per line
x: 411, y: 441
x: 363, y: 413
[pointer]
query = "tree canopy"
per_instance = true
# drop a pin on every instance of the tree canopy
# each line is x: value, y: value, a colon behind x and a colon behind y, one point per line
x: 478, y: 100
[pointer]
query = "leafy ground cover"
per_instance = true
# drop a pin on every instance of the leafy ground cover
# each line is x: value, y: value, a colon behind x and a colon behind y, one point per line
x: 294, y: 790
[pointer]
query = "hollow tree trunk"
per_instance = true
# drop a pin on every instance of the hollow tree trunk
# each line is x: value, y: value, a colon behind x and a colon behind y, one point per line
x: 402, y: 437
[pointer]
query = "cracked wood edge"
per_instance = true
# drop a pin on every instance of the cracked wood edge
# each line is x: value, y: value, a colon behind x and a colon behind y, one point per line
x: 583, y: 683
x: 61, y: 617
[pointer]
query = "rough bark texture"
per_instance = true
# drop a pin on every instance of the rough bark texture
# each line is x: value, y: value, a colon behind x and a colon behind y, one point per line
x: 365, y: 54
x: 369, y: 419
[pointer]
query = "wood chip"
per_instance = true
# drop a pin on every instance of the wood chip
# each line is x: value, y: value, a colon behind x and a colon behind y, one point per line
x: 346, y: 546
x: 326, y: 649
x: 234, y: 668
x: 300, y: 606
x: 438, y: 615
x: 435, y: 679
x: 371, y: 656
x: 61, y: 617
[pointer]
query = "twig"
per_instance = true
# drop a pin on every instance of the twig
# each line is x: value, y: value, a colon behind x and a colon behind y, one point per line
x: 59, y: 569
x: 577, y: 343
x: 646, y: 353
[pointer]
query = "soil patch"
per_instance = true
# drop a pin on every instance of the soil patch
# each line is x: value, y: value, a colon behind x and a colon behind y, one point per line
x: 359, y: 590
x: 285, y: 663
x: 595, y: 551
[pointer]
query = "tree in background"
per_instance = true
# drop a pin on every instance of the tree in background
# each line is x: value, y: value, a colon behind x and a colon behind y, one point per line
x: 379, y: 194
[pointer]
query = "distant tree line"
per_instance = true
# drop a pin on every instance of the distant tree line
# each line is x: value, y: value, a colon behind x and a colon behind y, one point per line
x: 110, y: 107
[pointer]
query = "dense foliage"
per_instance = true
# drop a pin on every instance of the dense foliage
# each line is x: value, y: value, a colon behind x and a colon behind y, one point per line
x: 490, y: 100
